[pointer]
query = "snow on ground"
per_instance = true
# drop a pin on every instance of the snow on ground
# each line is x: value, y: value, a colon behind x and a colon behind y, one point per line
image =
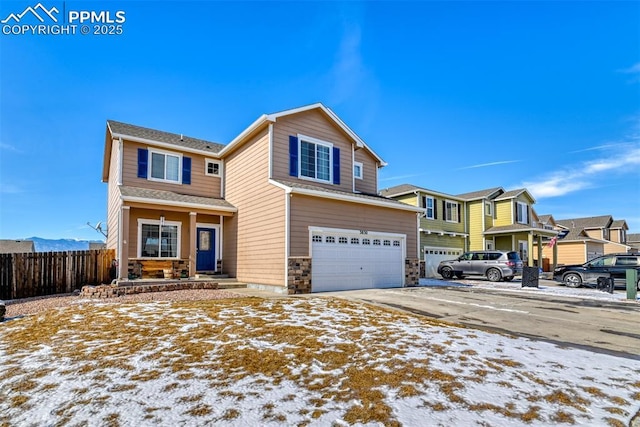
x: 317, y: 361
x: 543, y: 289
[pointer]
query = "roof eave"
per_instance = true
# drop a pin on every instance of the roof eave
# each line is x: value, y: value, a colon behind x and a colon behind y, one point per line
x: 177, y: 204
x: 347, y: 198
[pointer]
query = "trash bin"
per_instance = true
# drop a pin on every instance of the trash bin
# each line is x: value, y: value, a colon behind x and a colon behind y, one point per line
x: 530, y: 276
x: 632, y: 284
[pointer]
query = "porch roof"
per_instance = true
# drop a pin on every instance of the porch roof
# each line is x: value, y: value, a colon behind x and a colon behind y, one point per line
x: 520, y: 228
x: 169, y: 198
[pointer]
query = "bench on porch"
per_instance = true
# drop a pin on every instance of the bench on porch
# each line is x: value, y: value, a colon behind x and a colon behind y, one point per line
x: 158, y: 269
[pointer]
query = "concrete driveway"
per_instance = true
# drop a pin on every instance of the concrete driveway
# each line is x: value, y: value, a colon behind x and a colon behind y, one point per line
x: 611, y: 327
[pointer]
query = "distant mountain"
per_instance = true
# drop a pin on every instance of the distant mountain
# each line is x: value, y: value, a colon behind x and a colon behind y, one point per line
x: 58, y: 245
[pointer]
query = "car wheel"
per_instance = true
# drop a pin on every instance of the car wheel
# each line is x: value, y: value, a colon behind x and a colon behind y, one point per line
x: 494, y: 275
x: 446, y: 273
x: 459, y: 276
x: 638, y: 285
x: 508, y: 278
x: 573, y: 280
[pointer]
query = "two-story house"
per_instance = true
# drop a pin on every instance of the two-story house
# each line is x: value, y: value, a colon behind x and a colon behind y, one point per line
x: 582, y: 239
x: 443, y: 228
x: 289, y: 204
x: 490, y: 219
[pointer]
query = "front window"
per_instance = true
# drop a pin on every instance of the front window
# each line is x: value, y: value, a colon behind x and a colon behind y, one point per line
x: 164, y: 167
x: 159, y: 240
x: 428, y: 204
x: 603, y: 262
x: 315, y: 161
x: 522, y: 213
x: 451, y: 211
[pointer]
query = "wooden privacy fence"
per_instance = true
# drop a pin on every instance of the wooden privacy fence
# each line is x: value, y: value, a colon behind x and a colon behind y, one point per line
x: 48, y: 273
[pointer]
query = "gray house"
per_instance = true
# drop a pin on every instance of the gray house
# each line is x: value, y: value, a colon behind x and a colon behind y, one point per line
x: 9, y: 246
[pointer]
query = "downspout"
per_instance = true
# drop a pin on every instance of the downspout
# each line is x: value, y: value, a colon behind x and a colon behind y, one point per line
x: 271, y: 150
x: 287, y: 237
x: 418, y: 220
x: 120, y: 159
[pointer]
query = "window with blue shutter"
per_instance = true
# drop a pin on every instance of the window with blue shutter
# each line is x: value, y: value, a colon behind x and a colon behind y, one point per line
x: 336, y: 166
x: 143, y: 159
x: 186, y: 170
x: 293, y: 156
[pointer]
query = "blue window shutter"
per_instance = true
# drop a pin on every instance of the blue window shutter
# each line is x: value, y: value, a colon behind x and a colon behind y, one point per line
x: 293, y: 155
x: 143, y: 158
x: 336, y: 166
x: 186, y: 170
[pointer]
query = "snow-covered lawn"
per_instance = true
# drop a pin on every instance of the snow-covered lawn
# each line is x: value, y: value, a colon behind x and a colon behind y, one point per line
x: 295, y: 361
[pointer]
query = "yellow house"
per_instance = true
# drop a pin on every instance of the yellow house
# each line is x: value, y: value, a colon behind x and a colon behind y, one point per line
x: 489, y: 219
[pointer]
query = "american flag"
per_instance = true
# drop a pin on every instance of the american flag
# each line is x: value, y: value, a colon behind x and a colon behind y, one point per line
x: 552, y: 242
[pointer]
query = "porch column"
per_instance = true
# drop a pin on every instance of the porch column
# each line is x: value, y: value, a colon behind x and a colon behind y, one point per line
x: 192, y: 243
x: 530, y: 249
x: 555, y: 257
x: 123, y: 249
x: 540, y: 263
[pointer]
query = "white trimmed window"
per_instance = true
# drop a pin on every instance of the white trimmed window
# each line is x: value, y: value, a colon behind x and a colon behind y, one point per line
x: 357, y: 170
x: 522, y: 213
x: 164, y: 166
x: 315, y: 159
x: 488, y: 208
x: 158, y: 239
x: 212, y: 167
x: 451, y: 211
x: 428, y: 204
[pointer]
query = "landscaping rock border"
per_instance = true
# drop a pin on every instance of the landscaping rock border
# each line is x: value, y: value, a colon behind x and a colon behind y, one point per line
x: 114, y: 291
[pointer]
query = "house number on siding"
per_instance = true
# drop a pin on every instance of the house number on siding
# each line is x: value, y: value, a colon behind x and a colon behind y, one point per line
x: 364, y: 232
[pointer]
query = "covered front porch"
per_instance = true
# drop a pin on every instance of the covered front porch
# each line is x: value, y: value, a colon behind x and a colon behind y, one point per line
x: 527, y: 241
x: 164, y: 235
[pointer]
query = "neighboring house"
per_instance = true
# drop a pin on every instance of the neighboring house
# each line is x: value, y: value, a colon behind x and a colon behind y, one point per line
x: 289, y: 204
x: 487, y: 219
x: 633, y: 240
x: 16, y: 246
x: 443, y: 227
x: 582, y: 239
x: 94, y: 246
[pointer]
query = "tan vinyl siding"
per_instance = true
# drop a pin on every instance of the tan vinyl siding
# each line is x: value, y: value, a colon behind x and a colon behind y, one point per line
x: 315, y: 124
x: 504, y: 209
x: 571, y: 253
x: 594, y: 233
x: 476, y: 217
x: 369, y: 183
x: 311, y: 211
x: 201, y: 184
x: 613, y: 248
x: 113, y: 197
x: 259, y: 225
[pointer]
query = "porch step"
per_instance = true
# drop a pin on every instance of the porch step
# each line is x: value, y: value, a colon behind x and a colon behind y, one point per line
x: 230, y: 283
x: 210, y: 276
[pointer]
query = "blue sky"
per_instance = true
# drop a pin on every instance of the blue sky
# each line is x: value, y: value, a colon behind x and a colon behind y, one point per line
x: 455, y: 96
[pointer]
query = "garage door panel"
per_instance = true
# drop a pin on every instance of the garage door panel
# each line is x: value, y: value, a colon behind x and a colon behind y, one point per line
x: 434, y: 255
x: 342, y: 261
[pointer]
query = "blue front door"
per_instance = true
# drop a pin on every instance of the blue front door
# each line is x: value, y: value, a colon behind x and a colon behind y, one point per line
x: 206, y: 249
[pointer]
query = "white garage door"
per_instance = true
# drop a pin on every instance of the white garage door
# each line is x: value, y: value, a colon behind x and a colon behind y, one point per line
x: 343, y: 259
x: 433, y: 256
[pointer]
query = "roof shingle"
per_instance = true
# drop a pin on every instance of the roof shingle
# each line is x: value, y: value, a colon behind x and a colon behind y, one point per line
x: 126, y: 129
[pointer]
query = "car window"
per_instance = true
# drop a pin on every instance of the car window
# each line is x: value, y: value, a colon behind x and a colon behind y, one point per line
x: 626, y: 260
x: 513, y: 256
x: 603, y: 262
x: 478, y: 257
x: 493, y: 256
x: 466, y: 257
